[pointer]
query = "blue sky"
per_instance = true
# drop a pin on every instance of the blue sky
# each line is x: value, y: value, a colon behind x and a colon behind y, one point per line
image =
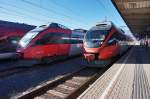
x: 71, y: 13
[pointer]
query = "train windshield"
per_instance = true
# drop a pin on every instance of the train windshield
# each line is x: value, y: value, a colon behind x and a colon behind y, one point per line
x: 30, y: 35
x: 94, y: 38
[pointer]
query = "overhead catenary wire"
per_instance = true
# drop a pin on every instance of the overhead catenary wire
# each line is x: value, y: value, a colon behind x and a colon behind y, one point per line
x: 117, y: 19
x: 21, y: 14
x: 52, y: 11
x: 47, y: 9
x: 68, y: 9
x: 27, y: 10
x: 103, y: 5
x: 60, y: 5
x: 7, y: 12
x: 44, y: 16
x: 108, y: 11
x: 12, y: 14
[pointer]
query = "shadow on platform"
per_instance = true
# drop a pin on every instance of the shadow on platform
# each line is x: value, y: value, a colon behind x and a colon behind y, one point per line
x: 138, y: 55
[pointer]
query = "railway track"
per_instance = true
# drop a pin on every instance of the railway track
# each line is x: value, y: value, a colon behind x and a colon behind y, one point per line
x: 12, y: 71
x: 68, y: 87
x: 16, y: 70
x: 19, y: 69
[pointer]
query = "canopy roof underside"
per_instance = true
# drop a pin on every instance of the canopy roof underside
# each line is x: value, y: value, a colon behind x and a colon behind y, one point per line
x: 136, y: 14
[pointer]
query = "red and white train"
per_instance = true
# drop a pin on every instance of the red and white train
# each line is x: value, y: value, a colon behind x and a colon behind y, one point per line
x: 50, y: 42
x: 10, y: 34
x: 104, y: 42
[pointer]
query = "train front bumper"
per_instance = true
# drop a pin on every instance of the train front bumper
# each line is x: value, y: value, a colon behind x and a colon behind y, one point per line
x: 89, y: 57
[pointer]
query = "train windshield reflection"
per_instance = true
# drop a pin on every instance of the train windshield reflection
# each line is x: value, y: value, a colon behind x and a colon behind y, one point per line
x: 30, y: 35
x: 97, y: 35
x: 94, y: 38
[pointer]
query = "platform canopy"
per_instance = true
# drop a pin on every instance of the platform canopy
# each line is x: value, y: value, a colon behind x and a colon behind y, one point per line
x: 136, y: 14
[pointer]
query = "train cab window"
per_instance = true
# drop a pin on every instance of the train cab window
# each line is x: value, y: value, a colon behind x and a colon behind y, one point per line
x: 95, y: 38
x: 96, y: 35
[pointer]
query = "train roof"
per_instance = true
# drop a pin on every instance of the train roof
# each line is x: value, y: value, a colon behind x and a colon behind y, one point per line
x: 15, y: 25
x: 80, y: 30
x: 106, y: 25
x: 54, y: 25
x: 46, y: 26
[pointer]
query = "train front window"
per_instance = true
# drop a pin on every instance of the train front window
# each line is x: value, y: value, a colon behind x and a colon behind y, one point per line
x: 94, y: 38
x: 30, y: 35
x: 27, y: 38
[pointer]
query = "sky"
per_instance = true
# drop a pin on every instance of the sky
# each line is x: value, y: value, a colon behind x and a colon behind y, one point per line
x: 71, y: 13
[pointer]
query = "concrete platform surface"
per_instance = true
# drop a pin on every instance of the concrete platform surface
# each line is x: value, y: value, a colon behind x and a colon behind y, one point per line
x: 128, y: 78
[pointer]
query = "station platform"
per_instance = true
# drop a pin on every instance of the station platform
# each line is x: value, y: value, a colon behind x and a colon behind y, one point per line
x: 128, y: 78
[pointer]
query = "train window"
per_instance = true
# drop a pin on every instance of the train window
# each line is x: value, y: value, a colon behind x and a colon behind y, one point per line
x: 80, y: 30
x: 118, y: 36
x: 59, y: 38
x: 96, y: 35
x: 65, y: 38
x: 75, y: 41
x: 114, y: 37
x: 29, y: 36
x: 55, y: 38
x: 75, y: 38
x: 112, y: 41
x: 39, y: 42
